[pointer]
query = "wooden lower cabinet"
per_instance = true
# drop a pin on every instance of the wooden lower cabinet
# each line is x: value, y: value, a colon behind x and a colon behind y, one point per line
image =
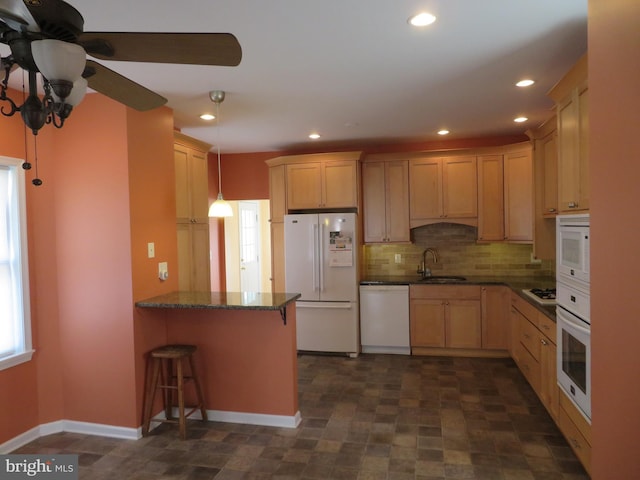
x: 495, y: 317
x: 534, y: 349
x: 445, y: 317
x: 576, y: 429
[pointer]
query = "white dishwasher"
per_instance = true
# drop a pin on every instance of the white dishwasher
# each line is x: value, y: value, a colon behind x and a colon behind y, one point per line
x: 384, y: 319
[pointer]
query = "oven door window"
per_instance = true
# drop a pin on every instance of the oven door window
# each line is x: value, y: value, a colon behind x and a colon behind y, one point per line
x: 574, y: 360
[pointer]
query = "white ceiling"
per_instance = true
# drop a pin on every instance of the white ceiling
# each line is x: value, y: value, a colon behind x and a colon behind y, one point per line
x: 354, y: 70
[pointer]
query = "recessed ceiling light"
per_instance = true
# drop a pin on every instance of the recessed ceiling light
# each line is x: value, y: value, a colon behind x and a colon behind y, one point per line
x: 422, y: 19
x: 207, y: 116
x: 520, y: 119
x: 525, y: 83
x: 314, y: 136
x: 443, y: 132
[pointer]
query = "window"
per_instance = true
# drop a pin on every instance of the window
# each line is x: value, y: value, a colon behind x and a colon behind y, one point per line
x: 15, y: 318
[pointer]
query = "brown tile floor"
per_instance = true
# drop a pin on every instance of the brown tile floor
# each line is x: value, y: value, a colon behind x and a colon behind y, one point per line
x: 371, y: 418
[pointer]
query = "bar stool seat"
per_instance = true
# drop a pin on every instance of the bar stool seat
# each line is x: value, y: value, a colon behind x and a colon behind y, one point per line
x: 168, y: 375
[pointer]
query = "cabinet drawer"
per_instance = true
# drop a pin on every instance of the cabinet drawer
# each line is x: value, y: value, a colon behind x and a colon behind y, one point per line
x: 445, y: 291
x: 576, y: 417
x: 529, y: 367
x: 576, y: 301
x: 524, y: 307
x: 576, y: 440
x: 530, y: 338
x: 547, y: 327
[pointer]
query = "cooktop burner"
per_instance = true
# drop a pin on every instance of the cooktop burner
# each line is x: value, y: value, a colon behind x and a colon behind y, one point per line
x: 545, y: 296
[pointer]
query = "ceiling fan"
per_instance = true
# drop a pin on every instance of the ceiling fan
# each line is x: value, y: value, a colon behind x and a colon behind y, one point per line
x: 24, y: 23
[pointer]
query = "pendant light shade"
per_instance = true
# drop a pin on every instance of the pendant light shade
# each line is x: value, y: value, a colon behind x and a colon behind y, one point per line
x: 219, y: 208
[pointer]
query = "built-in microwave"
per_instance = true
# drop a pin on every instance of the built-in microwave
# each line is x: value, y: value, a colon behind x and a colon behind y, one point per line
x: 572, y: 249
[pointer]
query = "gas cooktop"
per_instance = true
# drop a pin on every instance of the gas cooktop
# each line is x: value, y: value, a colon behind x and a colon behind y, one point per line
x: 544, y: 296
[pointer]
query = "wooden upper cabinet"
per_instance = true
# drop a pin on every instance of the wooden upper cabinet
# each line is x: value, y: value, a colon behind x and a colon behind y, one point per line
x: 518, y: 196
x: 192, y: 208
x: 277, y: 193
x: 443, y: 189
x: 385, y: 187
x: 192, y: 186
x: 339, y: 184
x: 322, y: 181
x: 490, y: 198
x: 571, y: 96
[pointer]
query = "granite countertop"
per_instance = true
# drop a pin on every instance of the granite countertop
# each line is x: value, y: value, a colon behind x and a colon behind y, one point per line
x: 220, y: 300
x: 516, y: 283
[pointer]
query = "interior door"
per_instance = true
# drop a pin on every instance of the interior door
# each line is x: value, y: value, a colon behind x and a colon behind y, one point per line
x: 248, y: 224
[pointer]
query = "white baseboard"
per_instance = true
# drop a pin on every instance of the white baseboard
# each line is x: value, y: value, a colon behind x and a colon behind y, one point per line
x: 127, y: 433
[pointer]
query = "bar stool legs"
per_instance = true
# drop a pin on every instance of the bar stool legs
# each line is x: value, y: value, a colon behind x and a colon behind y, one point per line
x: 163, y: 362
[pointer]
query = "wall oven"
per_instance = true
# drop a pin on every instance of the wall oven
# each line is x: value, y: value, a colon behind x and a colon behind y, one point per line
x: 574, y: 358
x: 573, y: 317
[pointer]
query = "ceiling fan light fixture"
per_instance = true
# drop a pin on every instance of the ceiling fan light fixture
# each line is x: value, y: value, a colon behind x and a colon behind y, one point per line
x: 422, y: 19
x: 58, y: 60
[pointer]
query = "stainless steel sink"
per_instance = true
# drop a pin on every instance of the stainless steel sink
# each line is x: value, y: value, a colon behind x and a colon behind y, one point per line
x: 443, y: 279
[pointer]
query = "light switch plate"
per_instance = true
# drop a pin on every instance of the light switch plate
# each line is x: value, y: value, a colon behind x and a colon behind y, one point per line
x: 151, y: 250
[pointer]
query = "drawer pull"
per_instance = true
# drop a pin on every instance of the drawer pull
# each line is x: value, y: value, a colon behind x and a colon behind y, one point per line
x: 543, y: 342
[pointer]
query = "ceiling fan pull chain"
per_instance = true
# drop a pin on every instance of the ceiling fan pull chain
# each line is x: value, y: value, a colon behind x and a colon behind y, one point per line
x: 36, y: 181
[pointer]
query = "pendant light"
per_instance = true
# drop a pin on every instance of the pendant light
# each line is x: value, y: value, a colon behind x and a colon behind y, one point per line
x: 219, y: 208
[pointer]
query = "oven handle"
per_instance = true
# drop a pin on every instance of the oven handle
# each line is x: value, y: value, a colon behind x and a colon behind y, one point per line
x: 568, y: 318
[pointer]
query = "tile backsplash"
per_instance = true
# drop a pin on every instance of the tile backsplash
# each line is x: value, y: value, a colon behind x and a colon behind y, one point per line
x: 459, y: 253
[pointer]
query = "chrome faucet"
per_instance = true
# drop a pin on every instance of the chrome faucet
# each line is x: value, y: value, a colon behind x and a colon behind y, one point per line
x: 424, y: 270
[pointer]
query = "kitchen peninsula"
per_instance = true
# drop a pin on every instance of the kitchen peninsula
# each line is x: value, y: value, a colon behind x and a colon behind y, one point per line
x: 246, y: 356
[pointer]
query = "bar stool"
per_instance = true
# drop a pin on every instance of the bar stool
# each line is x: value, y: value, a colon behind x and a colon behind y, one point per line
x: 167, y: 374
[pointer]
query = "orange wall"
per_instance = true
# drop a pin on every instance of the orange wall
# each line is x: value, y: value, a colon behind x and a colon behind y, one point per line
x: 246, y: 358
x: 153, y: 212
x: 19, y: 384
x: 108, y: 190
x: 614, y: 76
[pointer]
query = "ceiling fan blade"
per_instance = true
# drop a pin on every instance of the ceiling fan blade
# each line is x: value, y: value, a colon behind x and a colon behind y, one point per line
x: 181, y: 48
x: 17, y: 16
x: 121, y: 89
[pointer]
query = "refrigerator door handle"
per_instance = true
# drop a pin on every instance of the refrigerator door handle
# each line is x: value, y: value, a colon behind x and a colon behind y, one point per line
x: 315, y: 262
x: 321, y: 262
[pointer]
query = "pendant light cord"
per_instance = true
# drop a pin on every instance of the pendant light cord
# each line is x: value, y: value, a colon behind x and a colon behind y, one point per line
x: 218, y: 148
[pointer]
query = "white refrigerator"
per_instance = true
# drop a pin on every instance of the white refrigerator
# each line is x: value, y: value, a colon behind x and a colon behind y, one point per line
x: 321, y: 263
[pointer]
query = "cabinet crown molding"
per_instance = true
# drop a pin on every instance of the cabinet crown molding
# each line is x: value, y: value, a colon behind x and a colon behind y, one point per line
x: 187, y: 141
x: 314, y: 157
x: 576, y: 75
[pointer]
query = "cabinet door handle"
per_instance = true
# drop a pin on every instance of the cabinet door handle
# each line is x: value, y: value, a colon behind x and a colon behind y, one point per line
x: 543, y: 342
x: 573, y: 205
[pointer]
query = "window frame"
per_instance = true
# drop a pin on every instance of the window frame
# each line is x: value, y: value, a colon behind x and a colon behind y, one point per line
x: 25, y: 353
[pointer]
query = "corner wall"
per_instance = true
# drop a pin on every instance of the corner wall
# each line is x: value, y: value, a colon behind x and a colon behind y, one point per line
x: 614, y: 151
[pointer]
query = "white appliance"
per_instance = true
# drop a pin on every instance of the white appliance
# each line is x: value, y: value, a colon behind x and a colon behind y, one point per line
x: 321, y: 263
x: 384, y: 319
x: 572, y: 249
x: 573, y: 312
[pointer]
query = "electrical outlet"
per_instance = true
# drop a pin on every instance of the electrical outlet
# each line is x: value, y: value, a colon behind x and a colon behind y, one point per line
x: 151, y: 250
x: 398, y: 258
x: 163, y: 271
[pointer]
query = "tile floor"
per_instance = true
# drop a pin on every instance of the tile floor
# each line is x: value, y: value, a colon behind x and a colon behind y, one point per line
x: 377, y: 417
